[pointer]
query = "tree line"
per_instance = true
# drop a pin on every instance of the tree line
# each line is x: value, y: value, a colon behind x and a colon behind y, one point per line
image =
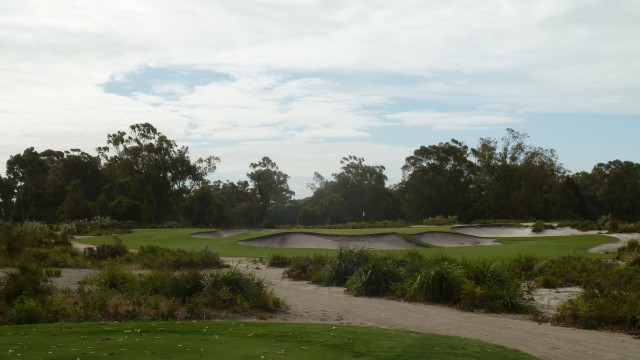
x: 143, y: 177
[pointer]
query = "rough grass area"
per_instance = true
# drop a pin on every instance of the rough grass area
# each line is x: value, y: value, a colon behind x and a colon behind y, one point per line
x: 543, y: 247
x: 236, y: 340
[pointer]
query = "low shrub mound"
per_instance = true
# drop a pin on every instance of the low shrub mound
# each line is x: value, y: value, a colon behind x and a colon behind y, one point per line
x: 120, y: 295
x: 471, y: 285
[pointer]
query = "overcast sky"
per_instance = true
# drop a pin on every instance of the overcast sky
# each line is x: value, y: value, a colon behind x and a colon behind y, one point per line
x: 307, y: 82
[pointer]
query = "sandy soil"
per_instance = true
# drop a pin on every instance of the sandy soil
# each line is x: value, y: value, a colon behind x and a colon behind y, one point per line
x: 310, y: 303
x: 548, y: 300
x: 318, y: 241
x: 607, y: 248
x: 515, y: 231
x: 452, y: 239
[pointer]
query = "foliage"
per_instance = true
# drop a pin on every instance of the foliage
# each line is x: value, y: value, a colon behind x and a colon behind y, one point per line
x: 376, y: 277
x: 440, y: 220
x: 345, y: 263
x: 160, y: 258
x: 307, y: 268
x: 107, y: 251
x: 440, y: 283
x: 611, y: 300
x: 239, y: 291
x: 270, y: 184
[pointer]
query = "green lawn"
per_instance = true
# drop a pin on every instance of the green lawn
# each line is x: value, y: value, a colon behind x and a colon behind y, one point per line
x: 544, y: 247
x: 236, y: 340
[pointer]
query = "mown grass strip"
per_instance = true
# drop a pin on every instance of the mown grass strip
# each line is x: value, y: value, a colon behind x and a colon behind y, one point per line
x: 543, y: 247
x: 237, y: 340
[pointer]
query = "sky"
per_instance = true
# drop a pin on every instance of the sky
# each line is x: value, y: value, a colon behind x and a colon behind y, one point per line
x: 307, y: 82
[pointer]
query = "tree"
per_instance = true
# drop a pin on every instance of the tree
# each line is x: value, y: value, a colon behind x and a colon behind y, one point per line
x: 270, y: 185
x: 38, y: 191
x: 162, y: 173
x: 204, y: 207
x: 76, y: 206
x: 7, y: 194
x: 362, y: 187
x: 438, y: 180
x: 618, y: 188
x: 515, y: 180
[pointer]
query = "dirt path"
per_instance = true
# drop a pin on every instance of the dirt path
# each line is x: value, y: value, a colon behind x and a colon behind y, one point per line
x: 310, y: 303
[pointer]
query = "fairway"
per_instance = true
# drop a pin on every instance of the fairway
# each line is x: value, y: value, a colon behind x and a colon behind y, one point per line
x: 236, y: 340
x: 543, y: 247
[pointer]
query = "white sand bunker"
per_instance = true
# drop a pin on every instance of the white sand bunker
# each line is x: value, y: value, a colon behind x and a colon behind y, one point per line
x: 320, y: 241
x: 607, y: 248
x: 444, y: 239
x: 516, y: 231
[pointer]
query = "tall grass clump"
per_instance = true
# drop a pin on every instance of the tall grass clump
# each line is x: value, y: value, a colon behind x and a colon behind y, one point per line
x: 376, y: 277
x: 441, y: 283
x: 344, y: 264
x: 307, y: 268
x: 160, y: 258
x: 491, y: 286
x: 239, y: 291
x: 279, y: 261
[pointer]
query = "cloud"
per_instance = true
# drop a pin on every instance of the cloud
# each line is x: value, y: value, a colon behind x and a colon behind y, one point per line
x: 314, y: 71
x: 454, y: 120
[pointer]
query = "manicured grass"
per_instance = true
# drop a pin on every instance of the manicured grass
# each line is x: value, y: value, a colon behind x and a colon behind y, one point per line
x: 236, y: 340
x: 181, y: 238
x: 544, y: 247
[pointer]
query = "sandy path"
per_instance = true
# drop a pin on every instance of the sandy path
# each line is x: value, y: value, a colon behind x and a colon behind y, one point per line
x: 310, y: 303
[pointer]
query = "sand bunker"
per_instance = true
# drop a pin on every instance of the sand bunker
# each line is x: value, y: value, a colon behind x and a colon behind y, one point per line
x: 516, y: 231
x: 452, y: 239
x: 607, y: 248
x: 320, y: 241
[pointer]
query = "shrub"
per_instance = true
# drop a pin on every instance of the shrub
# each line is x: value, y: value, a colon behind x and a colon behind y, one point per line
x: 27, y: 311
x: 377, y: 277
x: 30, y: 281
x: 441, y: 220
x: 159, y: 258
x: 279, y: 261
x: 238, y: 291
x: 107, y: 251
x: 307, y: 268
x: 441, y: 283
x: 343, y: 265
x: 113, y: 278
x: 491, y: 286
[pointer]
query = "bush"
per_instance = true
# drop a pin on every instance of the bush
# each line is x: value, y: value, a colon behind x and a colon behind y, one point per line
x: 27, y: 311
x: 279, y: 261
x: 442, y: 283
x: 159, y: 258
x: 238, y: 291
x: 107, y: 251
x: 441, y: 220
x: 113, y: 278
x: 345, y: 263
x: 307, y: 268
x: 491, y: 286
x: 29, y: 281
x: 377, y: 277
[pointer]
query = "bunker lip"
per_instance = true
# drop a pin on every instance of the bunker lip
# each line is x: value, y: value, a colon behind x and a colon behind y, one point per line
x: 308, y: 240
x: 223, y: 233
x: 445, y: 239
